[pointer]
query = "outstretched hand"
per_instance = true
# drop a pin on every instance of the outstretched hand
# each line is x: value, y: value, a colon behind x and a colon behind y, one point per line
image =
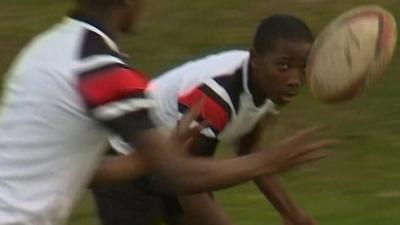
x: 301, y: 148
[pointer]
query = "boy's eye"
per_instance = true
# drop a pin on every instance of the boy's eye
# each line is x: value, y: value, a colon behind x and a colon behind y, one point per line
x: 283, y: 66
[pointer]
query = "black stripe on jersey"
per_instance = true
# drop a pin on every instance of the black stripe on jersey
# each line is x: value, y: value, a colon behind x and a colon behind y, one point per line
x: 120, y: 99
x: 130, y: 125
x: 214, y: 130
x: 183, y: 108
x: 94, y: 44
x: 233, y: 85
x: 218, y: 99
x: 102, y: 68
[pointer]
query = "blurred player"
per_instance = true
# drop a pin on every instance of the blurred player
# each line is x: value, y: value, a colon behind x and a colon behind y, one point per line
x: 66, y: 91
x: 240, y: 88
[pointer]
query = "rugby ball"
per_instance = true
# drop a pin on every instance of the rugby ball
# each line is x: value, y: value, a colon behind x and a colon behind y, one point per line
x: 351, y: 53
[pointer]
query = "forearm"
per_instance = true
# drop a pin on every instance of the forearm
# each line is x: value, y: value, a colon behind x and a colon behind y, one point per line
x: 269, y: 185
x: 201, y: 209
x: 281, y: 200
x: 115, y: 169
x: 276, y: 194
x: 195, y: 175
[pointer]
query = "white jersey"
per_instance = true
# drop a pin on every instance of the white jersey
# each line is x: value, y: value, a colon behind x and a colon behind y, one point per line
x: 60, y: 101
x: 221, y: 80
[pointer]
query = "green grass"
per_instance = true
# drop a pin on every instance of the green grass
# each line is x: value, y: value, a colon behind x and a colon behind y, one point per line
x: 358, y: 185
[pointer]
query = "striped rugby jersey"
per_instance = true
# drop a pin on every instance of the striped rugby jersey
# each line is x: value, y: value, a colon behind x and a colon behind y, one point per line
x: 222, y: 81
x: 65, y: 92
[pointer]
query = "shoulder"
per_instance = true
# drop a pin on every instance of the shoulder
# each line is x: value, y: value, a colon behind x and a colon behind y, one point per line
x: 94, y: 44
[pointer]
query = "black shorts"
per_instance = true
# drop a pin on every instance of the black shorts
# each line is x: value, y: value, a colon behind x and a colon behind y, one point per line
x: 139, y: 202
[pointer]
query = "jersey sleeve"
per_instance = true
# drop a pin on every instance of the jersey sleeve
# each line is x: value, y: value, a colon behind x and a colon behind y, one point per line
x: 215, y: 112
x: 115, y: 96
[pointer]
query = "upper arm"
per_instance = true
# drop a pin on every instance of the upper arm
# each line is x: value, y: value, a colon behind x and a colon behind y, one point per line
x: 114, y: 96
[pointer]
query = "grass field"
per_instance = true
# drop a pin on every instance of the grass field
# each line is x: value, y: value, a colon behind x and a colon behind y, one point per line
x: 358, y: 185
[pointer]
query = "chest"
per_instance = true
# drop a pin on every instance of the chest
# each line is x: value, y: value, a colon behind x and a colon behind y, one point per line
x: 246, y: 118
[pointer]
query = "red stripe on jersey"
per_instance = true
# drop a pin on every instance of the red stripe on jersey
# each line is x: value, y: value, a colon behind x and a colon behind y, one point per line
x: 212, y: 112
x: 111, y: 84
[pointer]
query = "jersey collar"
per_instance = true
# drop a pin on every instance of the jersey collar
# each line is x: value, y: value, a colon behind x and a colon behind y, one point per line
x: 92, y: 25
x: 267, y: 103
x: 246, y: 81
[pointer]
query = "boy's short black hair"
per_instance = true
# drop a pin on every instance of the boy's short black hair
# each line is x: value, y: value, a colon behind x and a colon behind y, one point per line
x: 100, y: 4
x: 278, y: 27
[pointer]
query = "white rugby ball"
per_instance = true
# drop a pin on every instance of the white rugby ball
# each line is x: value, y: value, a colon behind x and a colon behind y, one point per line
x: 351, y: 53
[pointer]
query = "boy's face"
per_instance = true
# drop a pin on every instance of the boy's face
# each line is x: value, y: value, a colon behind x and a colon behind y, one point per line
x: 280, y: 72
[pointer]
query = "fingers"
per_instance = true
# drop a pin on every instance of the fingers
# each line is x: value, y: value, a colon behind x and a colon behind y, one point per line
x: 305, y: 133
x: 190, y: 132
x: 311, y: 157
x: 188, y: 147
x: 303, y: 148
x: 187, y: 119
x: 188, y: 126
x: 304, y: 159
x: 188, y: 129
x: 311, y: 152
x: 312, y: 147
